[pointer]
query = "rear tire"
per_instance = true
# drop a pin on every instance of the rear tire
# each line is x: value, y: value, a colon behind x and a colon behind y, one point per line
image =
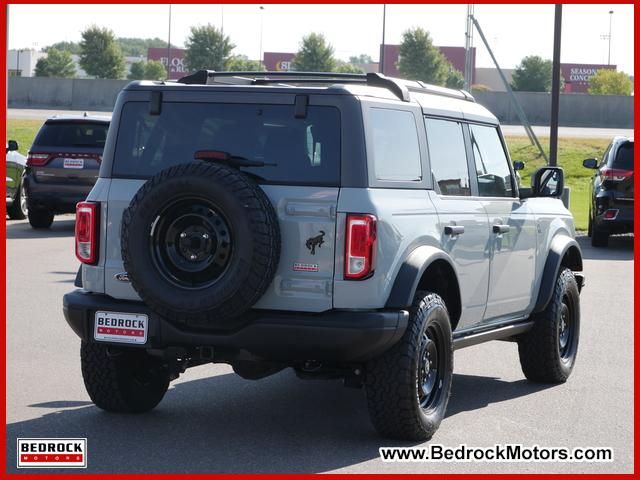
x: 548, y: 351
x: 599, y: 238
x: 408, y: 386
x: 40, y: 218
x: 124, y: 381
x: 18, y: 209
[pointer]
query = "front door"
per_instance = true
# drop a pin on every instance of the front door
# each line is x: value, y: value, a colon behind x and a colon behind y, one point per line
x: 513, y: 228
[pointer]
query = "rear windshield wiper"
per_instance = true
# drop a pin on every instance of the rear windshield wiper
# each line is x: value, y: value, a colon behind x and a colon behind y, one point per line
x: 226, y: 157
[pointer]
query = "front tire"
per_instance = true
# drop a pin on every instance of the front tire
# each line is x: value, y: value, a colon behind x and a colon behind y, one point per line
x: 548, y: 351
x: 124, y: 381
x: 408, y: 386
x: 40, y: 219
x: 18, y: 209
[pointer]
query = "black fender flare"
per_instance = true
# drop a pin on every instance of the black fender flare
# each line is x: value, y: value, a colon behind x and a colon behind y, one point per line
x: 410, y: 274
x: 560, y: 245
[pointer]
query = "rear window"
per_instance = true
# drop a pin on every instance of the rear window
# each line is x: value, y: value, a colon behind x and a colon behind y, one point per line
x: 624, y: 157
x: 72, y: 134
x: 301, y: 151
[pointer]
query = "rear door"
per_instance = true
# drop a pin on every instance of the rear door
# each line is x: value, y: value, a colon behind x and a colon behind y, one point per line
x: 463, y: 224
x: 69, y: 152
x: 300, y: 176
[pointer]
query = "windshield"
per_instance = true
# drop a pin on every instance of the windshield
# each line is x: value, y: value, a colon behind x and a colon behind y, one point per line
x: 301, y: 151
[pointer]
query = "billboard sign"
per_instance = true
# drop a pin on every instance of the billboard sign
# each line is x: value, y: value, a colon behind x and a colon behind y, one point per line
x: 577, y: 75
x: 176, y: 66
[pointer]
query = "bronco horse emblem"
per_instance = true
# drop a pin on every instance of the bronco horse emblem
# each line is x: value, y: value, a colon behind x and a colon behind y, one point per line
x: 314, y: 242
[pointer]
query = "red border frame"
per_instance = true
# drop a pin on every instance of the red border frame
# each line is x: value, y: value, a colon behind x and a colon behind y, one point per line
x: 3, y: 414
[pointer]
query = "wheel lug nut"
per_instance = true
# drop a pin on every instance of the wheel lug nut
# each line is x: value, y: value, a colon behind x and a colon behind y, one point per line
x: 192, y: 257
x: 183, y: 235
x: 205, y: 236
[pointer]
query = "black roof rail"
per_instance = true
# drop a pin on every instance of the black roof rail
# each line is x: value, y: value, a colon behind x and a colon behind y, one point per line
x: 399, y: 87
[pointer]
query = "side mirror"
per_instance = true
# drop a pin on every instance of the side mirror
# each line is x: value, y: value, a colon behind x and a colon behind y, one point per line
x: 590, y: 163
x: 12, y: 146
x: 547, y: 182
x: 518, y: 166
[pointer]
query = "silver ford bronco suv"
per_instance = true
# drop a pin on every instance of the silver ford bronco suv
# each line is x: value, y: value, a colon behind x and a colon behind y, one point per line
x: 348, y: 226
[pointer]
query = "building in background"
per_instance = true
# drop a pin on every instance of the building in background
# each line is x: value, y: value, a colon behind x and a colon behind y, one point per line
x: 176, y: 67
x: 22, y: 62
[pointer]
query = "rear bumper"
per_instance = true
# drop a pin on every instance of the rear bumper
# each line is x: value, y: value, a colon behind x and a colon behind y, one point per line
x: 59, y: 197
x: 336, y: 335
x: 621, y: 223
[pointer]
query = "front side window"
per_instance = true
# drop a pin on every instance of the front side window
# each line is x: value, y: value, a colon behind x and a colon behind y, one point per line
x: 396, y: 150
x: 448, y: 156
x: 492, y: 167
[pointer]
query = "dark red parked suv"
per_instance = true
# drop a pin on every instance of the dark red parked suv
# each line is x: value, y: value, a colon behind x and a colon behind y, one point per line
x: 63, y: 165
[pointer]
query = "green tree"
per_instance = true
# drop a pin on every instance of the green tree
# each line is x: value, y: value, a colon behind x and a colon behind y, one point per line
x: 455, y: 79
x: 137, y: 47
x: 57, y: 63
x: 100, y: 55
x: 207, y: 48
x: 241, y: 63
x: 610, y: 82
x: 71, y: 47
x: 155, y: 70
x: 421, y: 60
x: 344, y: 67
x: 137, y: 71
x: 314, y: 55
x: 151, y: 70
x: 360, y: 59
x: 532, y: 75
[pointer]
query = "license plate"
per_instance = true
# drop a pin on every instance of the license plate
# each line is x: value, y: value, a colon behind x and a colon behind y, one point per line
x: 121, y: 327
x: 73, y: 163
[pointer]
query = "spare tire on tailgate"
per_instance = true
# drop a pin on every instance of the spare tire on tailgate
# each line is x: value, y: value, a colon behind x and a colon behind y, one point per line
x: 201, y: 243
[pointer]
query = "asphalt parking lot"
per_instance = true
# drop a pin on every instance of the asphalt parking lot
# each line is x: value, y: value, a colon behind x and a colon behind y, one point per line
x: 214, y: 421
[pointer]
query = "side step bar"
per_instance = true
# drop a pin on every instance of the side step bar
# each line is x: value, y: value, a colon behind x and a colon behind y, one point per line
x: 468, y: 338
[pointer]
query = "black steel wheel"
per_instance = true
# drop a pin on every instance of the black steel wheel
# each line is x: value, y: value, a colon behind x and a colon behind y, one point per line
x: 548, y: 351
x: 408, y: 386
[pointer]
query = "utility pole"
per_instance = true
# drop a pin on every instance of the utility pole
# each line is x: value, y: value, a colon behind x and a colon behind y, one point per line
x: 555, y: 88
x: 169, y: 46
x: 468, y: 50
x: 384, y: 21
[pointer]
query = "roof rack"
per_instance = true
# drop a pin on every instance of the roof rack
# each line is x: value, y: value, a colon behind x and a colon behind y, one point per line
x: 399, y: 87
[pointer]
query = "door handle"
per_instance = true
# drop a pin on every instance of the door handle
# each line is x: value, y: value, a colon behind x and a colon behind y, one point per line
x: 500, y: 228
x: 454, y: 230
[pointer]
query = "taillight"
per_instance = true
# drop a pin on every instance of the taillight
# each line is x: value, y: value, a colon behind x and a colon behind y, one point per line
x: 360, y: 246
x: 37, y: 159
x: 616, y: 174
x: 87, y: 232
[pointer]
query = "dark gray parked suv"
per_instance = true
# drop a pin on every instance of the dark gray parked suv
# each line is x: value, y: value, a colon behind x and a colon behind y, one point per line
x: 347, y: 226
x: 62, y: 165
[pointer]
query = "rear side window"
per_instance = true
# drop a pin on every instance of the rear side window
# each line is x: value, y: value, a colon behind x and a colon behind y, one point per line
x: 448, y: 156
x: 396, y: 151
x: 300, y: 151
x: 72, y: 134
x: 492, y: 167
x: 624, y: 157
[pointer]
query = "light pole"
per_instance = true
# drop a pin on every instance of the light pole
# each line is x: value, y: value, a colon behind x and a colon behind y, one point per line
x: 384, y: 21
x: 610, y: 18
x: 169, y: 46
x: 261, y: 25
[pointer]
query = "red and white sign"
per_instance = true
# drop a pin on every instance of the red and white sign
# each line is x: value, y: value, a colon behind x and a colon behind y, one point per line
x: 121, y: 327
x: 173, y: 57
x: 73, y: 163
x: 52, y: 453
